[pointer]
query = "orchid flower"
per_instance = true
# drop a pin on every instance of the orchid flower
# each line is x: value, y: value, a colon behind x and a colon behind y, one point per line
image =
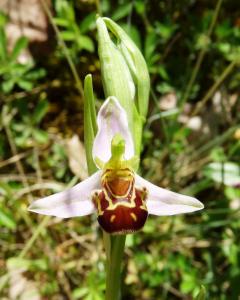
x: 121, y: 198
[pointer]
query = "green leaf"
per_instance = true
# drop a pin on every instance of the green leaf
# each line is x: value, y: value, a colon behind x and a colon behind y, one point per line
x: 3, y: 19
x: 68, y: 35
x: 80, y: 292
x: 7, y: 86
x: 25, y: 85
x: 7, y: 219
x: 35, y: 74
x: 87, y: 23
x: 61, y: 22
x: 122, y: 11
x: 3, y: 45
x: 202, y: 294
x: 84, y: 42
x: 90, y: 124
x: 40, y: 136
x: 27, y: 264
x: 20, y: 44
x: 40, y: 111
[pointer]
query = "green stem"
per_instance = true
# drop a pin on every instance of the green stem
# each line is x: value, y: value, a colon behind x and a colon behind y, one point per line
x: 210, y: 92
x: 113, y: 267
x: 213, y: 88
x: 200, y: 56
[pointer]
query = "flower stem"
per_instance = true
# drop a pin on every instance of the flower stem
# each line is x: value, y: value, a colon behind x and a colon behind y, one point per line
x: 201, y: 55
x: 213, y: 88
x: 113, y: 267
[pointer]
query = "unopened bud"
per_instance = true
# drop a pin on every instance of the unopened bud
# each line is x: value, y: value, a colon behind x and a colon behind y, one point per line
x: 116, y: 76
x: 136, y: 65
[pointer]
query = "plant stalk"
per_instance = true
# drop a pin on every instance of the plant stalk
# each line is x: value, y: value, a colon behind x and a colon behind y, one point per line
x: 113, y: 267
x: 201, y: 56
x: 213, y: 88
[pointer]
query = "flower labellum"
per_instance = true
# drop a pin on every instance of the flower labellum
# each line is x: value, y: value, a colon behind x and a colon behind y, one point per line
x: 121, y: 198
x: 121, y: 207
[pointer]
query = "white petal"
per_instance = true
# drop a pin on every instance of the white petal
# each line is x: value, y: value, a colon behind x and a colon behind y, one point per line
x: 111, y: 119
x: 73, y: 202
x: 162, y: 202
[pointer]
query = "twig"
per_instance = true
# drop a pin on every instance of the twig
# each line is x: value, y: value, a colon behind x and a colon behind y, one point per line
x: 18, y: 162
x: 13, y: 159
x: 33, y: 238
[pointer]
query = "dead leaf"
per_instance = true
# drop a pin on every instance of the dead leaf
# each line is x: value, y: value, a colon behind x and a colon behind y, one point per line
x: 21, y: 288
x: 168, y: 101
x: 77, y: 157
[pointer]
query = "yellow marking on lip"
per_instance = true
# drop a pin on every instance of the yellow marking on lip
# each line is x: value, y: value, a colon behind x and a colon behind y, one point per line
x: 113, y: 217
x: 95, y: 199
x: 134, y: 217
x: 112, y: 206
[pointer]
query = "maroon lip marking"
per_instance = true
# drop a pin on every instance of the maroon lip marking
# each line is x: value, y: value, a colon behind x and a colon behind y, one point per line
x: 121, y: 207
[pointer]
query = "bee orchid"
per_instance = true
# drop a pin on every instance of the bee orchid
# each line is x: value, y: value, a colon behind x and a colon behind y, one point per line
x: 121, y: 198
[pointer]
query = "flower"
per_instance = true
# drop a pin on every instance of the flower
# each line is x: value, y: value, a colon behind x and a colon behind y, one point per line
x: 121, y: 198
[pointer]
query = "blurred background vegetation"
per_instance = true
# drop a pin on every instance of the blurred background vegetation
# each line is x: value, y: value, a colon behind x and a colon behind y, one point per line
x: 191, y: 145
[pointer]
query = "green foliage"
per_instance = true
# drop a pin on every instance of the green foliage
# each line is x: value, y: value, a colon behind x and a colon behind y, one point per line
x: 26, y: 130
x: 13, y: 73
x: 72, y: 31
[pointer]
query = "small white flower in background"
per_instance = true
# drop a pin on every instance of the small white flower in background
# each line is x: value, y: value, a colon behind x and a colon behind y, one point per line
x: 121, y: 198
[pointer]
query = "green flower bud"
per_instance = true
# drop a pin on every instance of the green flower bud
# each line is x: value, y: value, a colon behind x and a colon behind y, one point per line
x: 136, y: 65
x: 116, y: 76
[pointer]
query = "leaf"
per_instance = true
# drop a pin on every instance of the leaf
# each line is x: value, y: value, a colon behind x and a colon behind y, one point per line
x: 3, y: 45
x: 227, y: 173
x: 90, y: 123
x: 77, y: 157
x: 20, y: 287
x: 88, y: 23
x: 40, y: 136
x: 122, y: 11
x: 7, y: 86
x: 3, y: 19
x: 68, y: 35
x: 61, y: 22
x: 27, y: 264
x: 84, y: 42
x: 6, y: 219
x: 151, y: 43
x: 78, y: 293
x: 35, y: 74
x: 202, y: 294
x: 40, y: 111
x: 20, y: 44
x: 25, y: 85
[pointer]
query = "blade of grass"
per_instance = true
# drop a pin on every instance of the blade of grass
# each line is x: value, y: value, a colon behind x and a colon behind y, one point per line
x: 200, y: 56
x: 213, y: 88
